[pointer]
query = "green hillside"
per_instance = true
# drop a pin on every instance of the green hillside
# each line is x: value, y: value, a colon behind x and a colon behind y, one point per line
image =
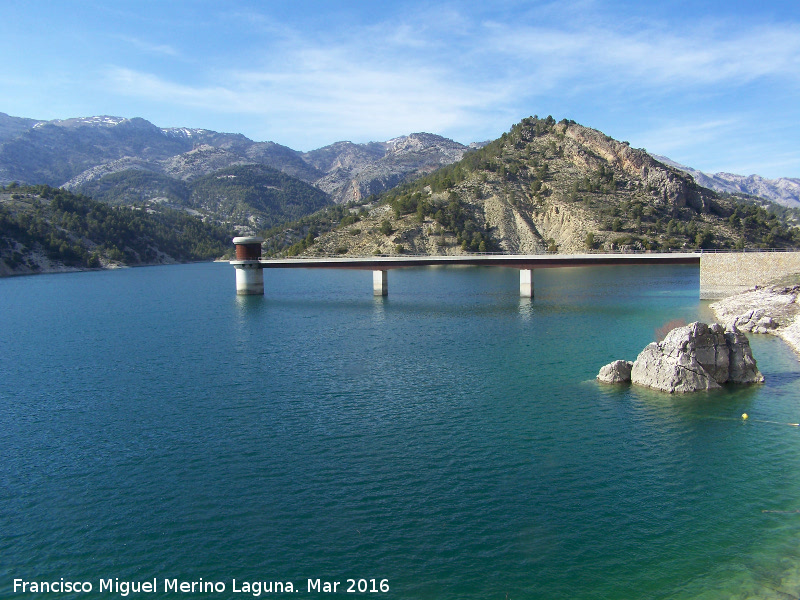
x: 260, y: 194
x: 43, y: 228
x: 246, y: 196
x: 136, y: 185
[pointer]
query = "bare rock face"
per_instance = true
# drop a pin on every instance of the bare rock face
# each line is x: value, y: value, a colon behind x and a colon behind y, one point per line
x: 755, y: 321
x: 780, y: 303
x: 743, y: 368
x: 674, y: 372
x: 127, y: 163
x: 783, y: 191
x: 200, y: 161
x: 673, y: 188
x: 618, y: 371
x: 693, y: 358
x: 355, y: 171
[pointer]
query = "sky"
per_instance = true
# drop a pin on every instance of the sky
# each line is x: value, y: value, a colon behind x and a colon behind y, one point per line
x: 712, y: 85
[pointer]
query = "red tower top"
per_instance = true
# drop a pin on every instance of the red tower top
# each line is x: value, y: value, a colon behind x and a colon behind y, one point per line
x: 248, y: 248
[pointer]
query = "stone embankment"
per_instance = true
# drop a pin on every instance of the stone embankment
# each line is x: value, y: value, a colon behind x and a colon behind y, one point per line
x: 691, y: 358
x: 724, y: 274
x: 770, y: 309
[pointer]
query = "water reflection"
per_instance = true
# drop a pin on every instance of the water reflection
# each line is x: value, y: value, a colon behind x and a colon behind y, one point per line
x: 248, y: 303
x: 526, y: 308
x: 379, y: 308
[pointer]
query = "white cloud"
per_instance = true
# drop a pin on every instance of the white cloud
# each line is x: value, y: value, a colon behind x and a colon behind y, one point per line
x: 775, y: 166
x: 649, y: 56
x: 677, y: 136
x: 738, y: 144
x: 446, y: 71
x: 335, y: 99
x: 148, y: 47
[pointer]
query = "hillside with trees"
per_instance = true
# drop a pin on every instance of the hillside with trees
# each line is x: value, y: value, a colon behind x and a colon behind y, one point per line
x: 245, y: 197
x: 541, y: 187
x: 92, y: 154
x: 44, y: 229
x: 545, y: 187
x: 260, y: 194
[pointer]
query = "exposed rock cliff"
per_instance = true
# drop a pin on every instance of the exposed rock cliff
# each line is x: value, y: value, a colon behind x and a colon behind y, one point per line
x: 674, y: 188
x: 356, y: 171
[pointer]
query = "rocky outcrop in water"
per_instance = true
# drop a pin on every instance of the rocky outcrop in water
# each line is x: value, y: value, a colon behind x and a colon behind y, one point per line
x: 691, y: 358
x: 618, y: 371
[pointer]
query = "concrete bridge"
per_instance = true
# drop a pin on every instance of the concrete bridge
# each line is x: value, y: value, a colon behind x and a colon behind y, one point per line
x: 250, y: 280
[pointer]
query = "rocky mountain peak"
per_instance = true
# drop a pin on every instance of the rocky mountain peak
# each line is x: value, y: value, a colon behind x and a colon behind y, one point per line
x: 675, y: 189
x: 355, y: 171
x: 185, y: 132
x: 201, y: 160
x: 345, y: 155
x: 417, y: 142
x: 544, y: 187
x: 784, y: 191
x: 96, y: 121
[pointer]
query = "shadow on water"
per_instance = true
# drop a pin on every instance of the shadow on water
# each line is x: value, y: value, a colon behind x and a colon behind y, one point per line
x: 778, y: 380
x: 661, y: 408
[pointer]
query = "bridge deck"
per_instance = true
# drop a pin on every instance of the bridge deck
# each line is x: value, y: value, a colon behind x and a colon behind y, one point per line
x: 516, y: 261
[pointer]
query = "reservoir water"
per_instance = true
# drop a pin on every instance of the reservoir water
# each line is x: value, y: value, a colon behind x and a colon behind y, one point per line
x: 449, y: 439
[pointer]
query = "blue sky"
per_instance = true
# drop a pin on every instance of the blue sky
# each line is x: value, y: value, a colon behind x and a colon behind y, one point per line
x: 714, y: 85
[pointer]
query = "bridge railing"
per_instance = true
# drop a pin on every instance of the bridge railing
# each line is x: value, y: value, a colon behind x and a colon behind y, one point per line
x: 467, y: 254
x: 746, y: 250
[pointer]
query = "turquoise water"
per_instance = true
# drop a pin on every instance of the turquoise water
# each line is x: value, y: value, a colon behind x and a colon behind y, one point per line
x: 449, y: 439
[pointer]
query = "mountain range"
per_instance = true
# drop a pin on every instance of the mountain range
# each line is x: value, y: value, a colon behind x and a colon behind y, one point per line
x: 542, y: 186
x: 784, y: 191
x: 128, y: 160
x: 91, y: 154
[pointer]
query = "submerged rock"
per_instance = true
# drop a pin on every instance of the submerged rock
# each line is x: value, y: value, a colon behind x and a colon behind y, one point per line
x: 691, y: 358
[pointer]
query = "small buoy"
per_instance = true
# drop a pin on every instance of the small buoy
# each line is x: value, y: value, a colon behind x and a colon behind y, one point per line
x: 744, y: 416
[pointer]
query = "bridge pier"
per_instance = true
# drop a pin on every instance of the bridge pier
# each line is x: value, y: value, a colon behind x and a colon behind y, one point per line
x: 380, y: 283
x: 249, y: 279
x: 526, y: 283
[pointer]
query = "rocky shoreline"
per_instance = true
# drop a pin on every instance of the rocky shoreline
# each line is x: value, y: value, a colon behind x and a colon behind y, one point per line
x: 52, y: 267
x: 770, y: 309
